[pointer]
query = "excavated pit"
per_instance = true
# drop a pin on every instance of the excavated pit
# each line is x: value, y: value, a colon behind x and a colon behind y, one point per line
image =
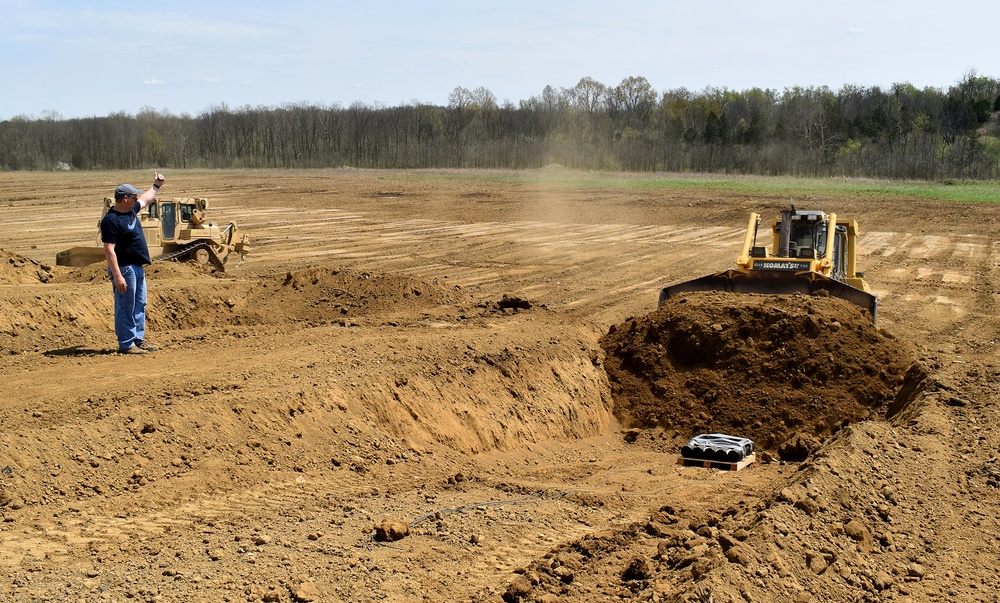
x: 419, y: 360
x: 786, y: 371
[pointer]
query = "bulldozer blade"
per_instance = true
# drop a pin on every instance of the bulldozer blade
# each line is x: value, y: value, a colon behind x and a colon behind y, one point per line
x: 216, y: 260
x: 78, y: 257
x: 774, y: 283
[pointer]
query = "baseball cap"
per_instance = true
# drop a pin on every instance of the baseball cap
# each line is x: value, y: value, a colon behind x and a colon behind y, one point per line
x: 126, y: 189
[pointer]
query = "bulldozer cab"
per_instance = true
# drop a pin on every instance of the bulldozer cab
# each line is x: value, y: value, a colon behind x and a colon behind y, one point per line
x: 802, y: 235
x: 805, y: 234
x: 168, y: 219
x: 177, y: 216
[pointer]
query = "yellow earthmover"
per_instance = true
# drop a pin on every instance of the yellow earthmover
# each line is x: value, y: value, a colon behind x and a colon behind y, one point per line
x: 175, y: 229
x: 810, y: 251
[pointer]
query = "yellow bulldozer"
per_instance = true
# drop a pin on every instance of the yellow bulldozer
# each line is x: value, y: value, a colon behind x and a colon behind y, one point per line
x: 175, y: 229
x: 810, y: 251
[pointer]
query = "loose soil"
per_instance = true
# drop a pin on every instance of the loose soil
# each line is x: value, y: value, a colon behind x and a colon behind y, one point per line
x: 455, y: 386
x: 784, y: 371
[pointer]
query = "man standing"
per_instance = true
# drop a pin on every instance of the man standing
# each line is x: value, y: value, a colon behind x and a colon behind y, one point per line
x: 126, y: 252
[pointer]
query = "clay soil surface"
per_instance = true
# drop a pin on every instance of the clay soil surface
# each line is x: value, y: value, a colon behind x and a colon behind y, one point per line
x: 456, y: 386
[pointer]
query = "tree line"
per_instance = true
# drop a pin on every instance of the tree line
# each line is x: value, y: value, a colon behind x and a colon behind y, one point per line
x: 900, y: 132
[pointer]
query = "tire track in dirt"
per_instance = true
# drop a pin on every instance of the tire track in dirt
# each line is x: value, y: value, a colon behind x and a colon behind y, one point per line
x: 558, y: 263
x: 938, y: 274
x: 490, y: 527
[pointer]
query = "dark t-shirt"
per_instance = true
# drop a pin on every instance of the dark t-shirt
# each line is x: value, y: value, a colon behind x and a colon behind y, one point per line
x: 125, y: 231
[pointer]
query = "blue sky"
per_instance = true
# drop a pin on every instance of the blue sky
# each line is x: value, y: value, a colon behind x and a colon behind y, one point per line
x: 81, y: 59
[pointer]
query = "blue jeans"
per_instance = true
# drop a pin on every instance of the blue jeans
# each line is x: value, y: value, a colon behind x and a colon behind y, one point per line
x: 130, y: 308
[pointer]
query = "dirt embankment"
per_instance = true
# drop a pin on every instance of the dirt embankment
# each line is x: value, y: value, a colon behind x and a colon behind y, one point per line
x: 784, y: 371
x: 371, y: 348
x: 17, y: 269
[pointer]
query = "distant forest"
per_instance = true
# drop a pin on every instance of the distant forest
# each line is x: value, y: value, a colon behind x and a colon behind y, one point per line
x: 898, y: 133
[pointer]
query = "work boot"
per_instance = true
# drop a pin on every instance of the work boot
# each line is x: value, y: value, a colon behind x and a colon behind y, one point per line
x: 147, y: 347
x: 133, y: 350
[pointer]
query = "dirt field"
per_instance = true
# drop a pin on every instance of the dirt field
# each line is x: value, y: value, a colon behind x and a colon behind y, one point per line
x: 422, y: 387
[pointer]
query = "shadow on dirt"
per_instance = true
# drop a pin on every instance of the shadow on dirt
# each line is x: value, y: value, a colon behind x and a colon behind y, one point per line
x: 77, y: 350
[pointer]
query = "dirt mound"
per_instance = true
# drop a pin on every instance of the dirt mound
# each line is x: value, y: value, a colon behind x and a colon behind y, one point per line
x: 184, y: 297
x: 94, y: 273
x: 98, y: 272
x: 326, y: 293
x: 189, y: 296
x: 782, y: 370
x: 16, y: 269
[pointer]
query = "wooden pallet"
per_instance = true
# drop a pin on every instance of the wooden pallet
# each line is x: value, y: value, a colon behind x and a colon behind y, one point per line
x: 716, y: 464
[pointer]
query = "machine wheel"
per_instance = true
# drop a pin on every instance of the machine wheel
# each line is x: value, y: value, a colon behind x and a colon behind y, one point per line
x: 201, y: 255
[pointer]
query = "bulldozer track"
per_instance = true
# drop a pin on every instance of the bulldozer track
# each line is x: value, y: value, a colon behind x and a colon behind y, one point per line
x: 187, y: 249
